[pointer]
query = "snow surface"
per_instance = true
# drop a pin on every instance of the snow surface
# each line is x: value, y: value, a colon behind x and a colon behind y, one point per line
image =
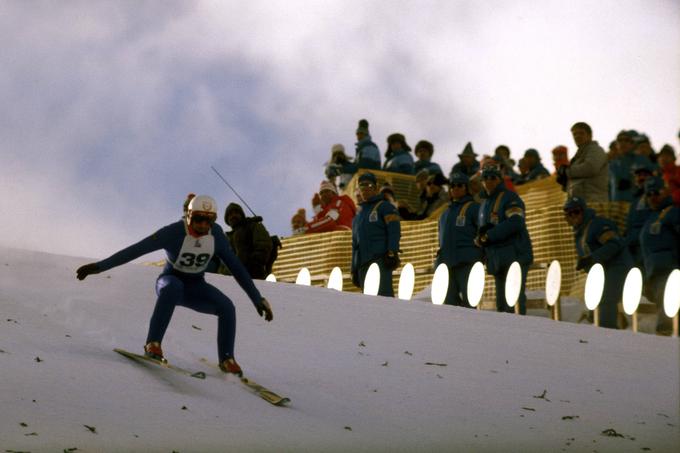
x: 363, y: 373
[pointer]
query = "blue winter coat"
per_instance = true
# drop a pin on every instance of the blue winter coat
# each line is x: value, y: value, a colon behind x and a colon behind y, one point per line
x: 508, y: 238
x: 368, y: 154
x: 400, y: 161
x: 660, y: 239
x: 638, y: 212
x: 375, y: 231
x: 538, y: 172
x: 598, y: 238
x: 457, y: 231
x: 621, y: 184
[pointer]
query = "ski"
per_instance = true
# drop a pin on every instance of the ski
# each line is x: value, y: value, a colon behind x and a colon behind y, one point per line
x: 163, y: 364
x: 261, y: 391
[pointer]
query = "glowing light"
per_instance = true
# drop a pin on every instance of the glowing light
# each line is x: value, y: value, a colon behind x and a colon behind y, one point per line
x: 335, y: 279
x: 632, y: 290
x: 671, y: 296
x: 594, y: 286
x: 406, y: 281
x: 475, y: 287
x: 513, y: 284
x: 553, y: 283
x: 304, y: 278
x: 372, y: 280
x: 271, y: 278
x: 440, y: 284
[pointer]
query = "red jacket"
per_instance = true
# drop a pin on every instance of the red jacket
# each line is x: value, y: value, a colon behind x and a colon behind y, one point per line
x: 671, y: 175
x: 335, y: 216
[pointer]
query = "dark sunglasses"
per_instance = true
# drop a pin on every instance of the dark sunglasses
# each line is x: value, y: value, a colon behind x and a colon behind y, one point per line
x: 202, y: 218
x: 572, y: 212
x: 652, y: 193
x: 458, y: 185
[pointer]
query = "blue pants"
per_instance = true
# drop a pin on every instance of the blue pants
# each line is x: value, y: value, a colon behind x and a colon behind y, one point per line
x: 458, y: 283
x: 198, y: 295
x: 385, y: 288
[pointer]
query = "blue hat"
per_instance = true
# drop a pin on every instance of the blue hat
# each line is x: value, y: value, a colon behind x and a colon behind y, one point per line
x: 368, y: 177
x: 575, y: 203
x: 654, y: 184
x: 459, y: 178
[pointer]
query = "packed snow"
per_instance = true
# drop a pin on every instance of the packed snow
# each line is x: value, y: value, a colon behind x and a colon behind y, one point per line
x: 363, y: 373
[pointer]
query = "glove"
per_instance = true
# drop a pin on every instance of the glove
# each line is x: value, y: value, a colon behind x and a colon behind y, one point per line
x: 624, y: 184
x: 391, y: 260
x: 88, y: 269
x: 484, y: 228
x: 585, y: 262
x: 263, y: 308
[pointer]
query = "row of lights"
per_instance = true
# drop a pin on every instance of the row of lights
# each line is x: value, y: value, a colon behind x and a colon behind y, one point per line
x: 632, y: 289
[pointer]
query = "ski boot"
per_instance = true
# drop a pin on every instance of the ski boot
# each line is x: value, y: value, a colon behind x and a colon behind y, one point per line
x: 230, y: 366
x: 153, y: 351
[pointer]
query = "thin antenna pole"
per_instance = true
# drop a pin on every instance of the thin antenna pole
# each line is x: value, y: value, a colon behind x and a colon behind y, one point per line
x: 232, y: 189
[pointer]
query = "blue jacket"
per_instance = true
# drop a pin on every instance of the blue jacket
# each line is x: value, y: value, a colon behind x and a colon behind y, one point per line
x: 638, y: 212
x: 660, y: 239
x: 468, y: 171
x: 428, y: 165
x: 375, y: 231
x: 400, y: 161
x: 538, y: 172
x: 457, y: 231
x: 368, y: 154
x: 598, y: 238
x: 183, y: 257
x: 621, y: 184
x: 508, y: 236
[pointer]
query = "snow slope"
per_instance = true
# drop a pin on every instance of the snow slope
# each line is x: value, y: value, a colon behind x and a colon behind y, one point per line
x: 363, y: 373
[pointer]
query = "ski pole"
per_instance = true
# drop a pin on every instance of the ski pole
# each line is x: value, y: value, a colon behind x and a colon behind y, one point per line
x: 232, y: 189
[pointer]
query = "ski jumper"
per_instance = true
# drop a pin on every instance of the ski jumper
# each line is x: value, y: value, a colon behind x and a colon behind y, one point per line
x: 182, y: 280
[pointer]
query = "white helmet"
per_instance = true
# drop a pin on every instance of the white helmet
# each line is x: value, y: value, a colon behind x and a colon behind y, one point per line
x: 202, y: 204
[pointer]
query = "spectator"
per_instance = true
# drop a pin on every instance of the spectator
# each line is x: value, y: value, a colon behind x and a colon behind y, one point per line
x: 250, y: 241
x: 424, y: 151
x: 398, y: 157
x: 340, y: 166
x: 298, y: 222
x: 505, y: 172
x: 659, y: 242
x: 457, y: 231
x: 670, y: 172
x: 620, y: 168
x: 475, y: 187
x: 613, y: 151
x: 375, y: 236
x: 560, y: 159
x: 333, y: 212
x: 638, y: 212
x: 468, y: 164
x: 502, y: 154
x: 437, y: 195
x: 367, y: 152
x: 503, y: 234
x: 408, y: 212
x: 597, y: 241
x: 643, y: 147
x: 533, y: 167
x: 588, y: 171
x: 387, y: 192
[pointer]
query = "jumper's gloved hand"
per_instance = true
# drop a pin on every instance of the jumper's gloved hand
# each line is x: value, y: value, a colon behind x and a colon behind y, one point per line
x: 585, y: 262
x: 263, y: 308
x: 391, y: 260
x: 87, y: 269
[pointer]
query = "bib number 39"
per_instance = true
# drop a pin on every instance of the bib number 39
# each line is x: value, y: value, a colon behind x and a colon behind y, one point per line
x: 193, y: 260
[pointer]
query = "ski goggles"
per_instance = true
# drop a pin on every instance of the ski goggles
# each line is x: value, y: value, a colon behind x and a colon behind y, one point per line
x: 202, y: 218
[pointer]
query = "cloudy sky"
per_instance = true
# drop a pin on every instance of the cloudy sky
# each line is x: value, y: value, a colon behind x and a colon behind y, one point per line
x: 113, y: 111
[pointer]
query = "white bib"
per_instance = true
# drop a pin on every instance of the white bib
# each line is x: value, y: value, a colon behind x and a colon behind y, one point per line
x: 195, y: 254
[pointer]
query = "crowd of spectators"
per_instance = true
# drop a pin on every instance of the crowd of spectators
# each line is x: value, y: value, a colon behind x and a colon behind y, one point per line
x: 480, y: 214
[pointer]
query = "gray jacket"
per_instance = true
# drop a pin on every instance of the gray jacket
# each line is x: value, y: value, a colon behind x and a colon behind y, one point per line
x: 588, y: 174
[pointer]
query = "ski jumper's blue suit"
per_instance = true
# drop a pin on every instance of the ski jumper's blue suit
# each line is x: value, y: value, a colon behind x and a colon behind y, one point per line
x: 182, y: 280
